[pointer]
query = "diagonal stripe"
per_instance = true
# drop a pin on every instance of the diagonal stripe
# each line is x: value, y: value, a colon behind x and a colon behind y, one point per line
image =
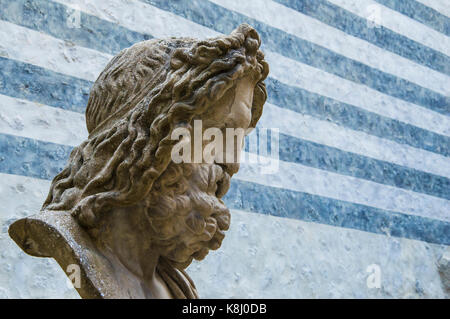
x: 222, y: 20
x: 31, y: 120
x: 348, y: 92
x: 341, y: 155
x: 141, y: 17
x: 310, y: 78
x: 346, y: 115
x: 291, y: 239
x: 27, y: 81
x: 290, y: 156
x: 304, y: 27
x: 25, y: 119
x: 334, y: 160
x: 320, y: 82
x: 34, y: 158
x: 354, y: 94
x: 317, y: 131
x: 297, y: 205
x: 91, y: 32
x: 38, y: 48
x: 275, y: 40
x: 421, y: 13
x: 438, y: 5
x: 301, y: 178
x: 388, y: 19
x: 38, y: 121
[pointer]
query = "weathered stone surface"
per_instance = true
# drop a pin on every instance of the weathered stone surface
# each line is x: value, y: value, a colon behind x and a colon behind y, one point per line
x: 124, y: 210
x: 444, y: 269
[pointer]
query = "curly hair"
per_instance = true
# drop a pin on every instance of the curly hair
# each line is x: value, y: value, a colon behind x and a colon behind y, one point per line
x: 143, y: 94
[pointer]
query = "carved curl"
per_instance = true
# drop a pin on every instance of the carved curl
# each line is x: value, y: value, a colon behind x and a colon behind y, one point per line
x: 143, y: 94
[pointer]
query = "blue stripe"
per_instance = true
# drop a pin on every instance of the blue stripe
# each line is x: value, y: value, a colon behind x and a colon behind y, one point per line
x: 421, y: 13
x: 382, y: 37
x: 30, y: 82
x: 108, y: 37
x: 33, y: 83
x: 328, y: 109
x: 222, y: 20
x: 51, y: 17
x: 32, y: 158
x: 312, y: 208
x: 36, y: 84
x: 295, y: 150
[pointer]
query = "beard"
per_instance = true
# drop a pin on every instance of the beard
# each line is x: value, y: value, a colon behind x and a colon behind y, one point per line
x: 188, y: 217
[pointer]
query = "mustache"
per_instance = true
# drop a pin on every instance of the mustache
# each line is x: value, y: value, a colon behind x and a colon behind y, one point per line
x: 204, y: 215
x: 208, y: 235
x: 198, y: 225
x: 221, y: 176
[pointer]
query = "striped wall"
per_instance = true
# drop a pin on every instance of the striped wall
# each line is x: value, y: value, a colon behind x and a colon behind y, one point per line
x: 363, y: 111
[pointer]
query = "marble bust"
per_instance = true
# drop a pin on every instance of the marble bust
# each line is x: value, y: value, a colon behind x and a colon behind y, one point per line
x: 123, y: 210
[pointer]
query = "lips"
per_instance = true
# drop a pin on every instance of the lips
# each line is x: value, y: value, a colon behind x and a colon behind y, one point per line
x: 201, y: 254
x: 223, y: 184
x: 213, y: 234
x: 201, y: 249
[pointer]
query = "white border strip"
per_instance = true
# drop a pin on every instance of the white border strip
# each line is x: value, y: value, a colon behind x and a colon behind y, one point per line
x: 312, y: 30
